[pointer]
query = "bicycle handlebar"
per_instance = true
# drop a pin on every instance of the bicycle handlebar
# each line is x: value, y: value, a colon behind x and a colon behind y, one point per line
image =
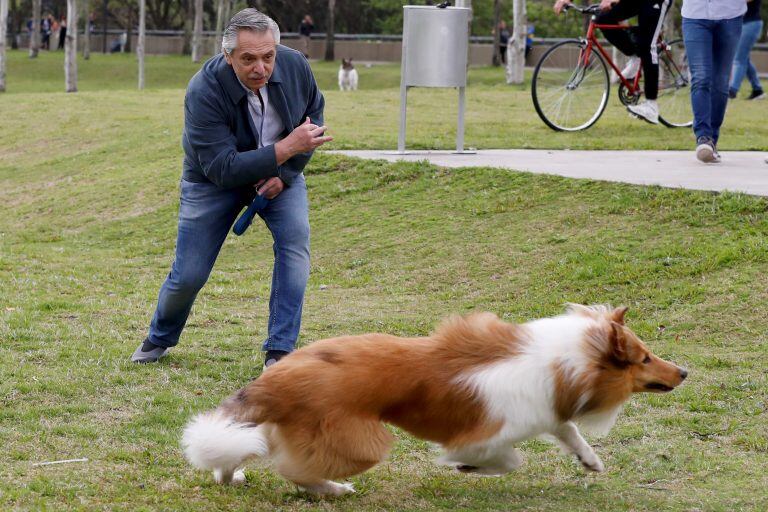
x: 590, y: 9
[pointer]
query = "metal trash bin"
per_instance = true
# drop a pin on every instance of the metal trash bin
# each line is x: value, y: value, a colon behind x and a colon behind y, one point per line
x: 435, y: 51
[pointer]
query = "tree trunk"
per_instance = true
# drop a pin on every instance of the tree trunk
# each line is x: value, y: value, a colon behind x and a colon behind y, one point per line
x: 128, y: 32
x: 3, y: 26
x: 329, y: 32
x: 70, y: 48
x: 496, y: 32
x: 227, y: 14
x: 34, y: 36
x: 87, y: 32
x: 189, y: 20
x: 197, y: 36
x: 219, y: 23
x: 105, y: 18
x: 14, y: 15
x: 142, y: 40
x: 516, y: 44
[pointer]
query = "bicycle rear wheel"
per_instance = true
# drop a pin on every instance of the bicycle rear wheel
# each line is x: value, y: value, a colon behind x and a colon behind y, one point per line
x: 674, y: 85
x: 570, y: 92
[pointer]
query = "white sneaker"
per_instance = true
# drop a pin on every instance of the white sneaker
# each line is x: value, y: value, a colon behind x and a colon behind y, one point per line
x: 647, y: 110
x: 632, y: 67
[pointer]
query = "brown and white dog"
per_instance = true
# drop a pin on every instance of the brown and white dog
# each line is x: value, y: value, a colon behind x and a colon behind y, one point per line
x: 477, y: 386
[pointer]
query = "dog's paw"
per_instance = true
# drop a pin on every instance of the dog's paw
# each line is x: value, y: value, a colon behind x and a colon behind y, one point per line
x: 345, y: 488
x: 329, y: 489
x: 593, y: 464
x: 238, y: 477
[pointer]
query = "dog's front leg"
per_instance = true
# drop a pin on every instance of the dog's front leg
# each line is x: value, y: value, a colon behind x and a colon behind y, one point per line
x: 568, y: 434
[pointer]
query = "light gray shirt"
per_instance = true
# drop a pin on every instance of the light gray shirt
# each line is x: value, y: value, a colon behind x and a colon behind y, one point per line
x: 713, y: 9
x: 269, y: 125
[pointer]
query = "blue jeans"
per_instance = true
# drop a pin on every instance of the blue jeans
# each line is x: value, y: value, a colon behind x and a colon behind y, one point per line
x: 750, y: 33
x: 206, y: 215
x: 711, y: 45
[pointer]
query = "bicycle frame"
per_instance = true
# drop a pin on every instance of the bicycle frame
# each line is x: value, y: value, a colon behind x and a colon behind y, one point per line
x: 591, y: 41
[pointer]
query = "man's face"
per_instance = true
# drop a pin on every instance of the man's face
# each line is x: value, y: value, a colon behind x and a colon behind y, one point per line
x: 254, y: 58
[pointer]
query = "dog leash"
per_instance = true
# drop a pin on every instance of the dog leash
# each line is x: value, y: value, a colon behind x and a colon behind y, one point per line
x: 259, y: 203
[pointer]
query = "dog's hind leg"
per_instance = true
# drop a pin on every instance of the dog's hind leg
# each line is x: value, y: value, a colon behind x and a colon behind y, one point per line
x: 568, y: 434
x: 338, y: 445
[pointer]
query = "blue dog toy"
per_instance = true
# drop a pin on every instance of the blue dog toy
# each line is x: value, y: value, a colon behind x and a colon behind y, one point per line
x: 258, y: 204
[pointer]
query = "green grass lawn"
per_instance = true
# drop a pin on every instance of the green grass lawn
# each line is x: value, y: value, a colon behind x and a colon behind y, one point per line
x: 88, y: 209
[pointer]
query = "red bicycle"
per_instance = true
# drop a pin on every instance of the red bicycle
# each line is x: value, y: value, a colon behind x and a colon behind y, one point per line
x: 571, y: 83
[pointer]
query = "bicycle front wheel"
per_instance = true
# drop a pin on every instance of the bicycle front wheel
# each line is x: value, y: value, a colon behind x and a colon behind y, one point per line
x: 570, y: 86
x: 674, y: 85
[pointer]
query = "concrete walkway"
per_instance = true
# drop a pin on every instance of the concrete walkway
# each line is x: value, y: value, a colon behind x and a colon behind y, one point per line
x: 740, y: 171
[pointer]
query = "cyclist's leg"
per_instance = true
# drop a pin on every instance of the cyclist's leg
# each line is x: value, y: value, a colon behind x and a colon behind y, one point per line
x: 621, y: 39
x: 650, y: 21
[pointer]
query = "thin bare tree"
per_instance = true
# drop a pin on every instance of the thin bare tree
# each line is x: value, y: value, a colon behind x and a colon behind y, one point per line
x: 87, y: 32
x: 3, y: 27
x: 228, y: 4
x: 219, y: 23
x: 516, y: 46
x: 496, y: 33
x: 329, y: 31
x: 197, y: 35
x: 34, y: 34
x: 70, y: 48
x: 140, y: 45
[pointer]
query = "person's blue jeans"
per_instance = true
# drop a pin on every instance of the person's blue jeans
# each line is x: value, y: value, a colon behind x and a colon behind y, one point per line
x: 750, y: 33
x: 206, y: 215
x: 711, y: 46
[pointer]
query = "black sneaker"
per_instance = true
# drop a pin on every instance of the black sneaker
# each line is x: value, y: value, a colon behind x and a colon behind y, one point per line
x: 705, y: 150
x: 148, y: 352
x: 273, y: 356
x: 732, y: 94
x: 757, y: 95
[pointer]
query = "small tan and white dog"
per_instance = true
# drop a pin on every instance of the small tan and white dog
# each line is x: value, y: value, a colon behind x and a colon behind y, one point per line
x: 477, y: 386
x: 347, y: 76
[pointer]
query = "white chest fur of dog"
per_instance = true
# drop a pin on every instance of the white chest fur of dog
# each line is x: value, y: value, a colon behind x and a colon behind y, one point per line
x: 477, y: 386
x: 347, y: 76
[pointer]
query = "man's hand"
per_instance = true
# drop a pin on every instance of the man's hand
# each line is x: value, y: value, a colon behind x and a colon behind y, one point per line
x: 270, y: 188
x: 606, y: 5
x: 304, y: 138
x: 560, y: 5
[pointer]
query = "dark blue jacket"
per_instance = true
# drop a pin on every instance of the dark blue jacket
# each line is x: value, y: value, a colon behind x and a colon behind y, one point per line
x: 219, y: 137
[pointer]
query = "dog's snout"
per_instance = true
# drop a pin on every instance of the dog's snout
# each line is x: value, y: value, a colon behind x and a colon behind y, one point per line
x: 683, y: 373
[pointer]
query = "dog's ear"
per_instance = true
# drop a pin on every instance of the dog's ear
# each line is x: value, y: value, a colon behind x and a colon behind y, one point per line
x: 618, y: 314
x: 617, y: 343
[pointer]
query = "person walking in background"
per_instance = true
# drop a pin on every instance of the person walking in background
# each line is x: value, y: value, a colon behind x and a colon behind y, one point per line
x: 711, y: 31
x: 62, y: 32
x: 750, y: 32
x: 46, y: 27
x: 503, y: 40
x: 305, y: 32
x: 54, y: 31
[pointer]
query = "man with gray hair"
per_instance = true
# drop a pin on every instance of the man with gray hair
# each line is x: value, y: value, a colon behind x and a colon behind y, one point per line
x: 253, y: 115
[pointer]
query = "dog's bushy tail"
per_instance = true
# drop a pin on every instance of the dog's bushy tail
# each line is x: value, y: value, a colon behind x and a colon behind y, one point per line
x: 215, y: 441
